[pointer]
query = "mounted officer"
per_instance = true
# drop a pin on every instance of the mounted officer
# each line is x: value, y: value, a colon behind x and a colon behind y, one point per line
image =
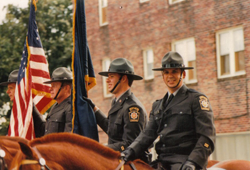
x: 127, y: 116
x: 59, y: 118
x: 183, y: 121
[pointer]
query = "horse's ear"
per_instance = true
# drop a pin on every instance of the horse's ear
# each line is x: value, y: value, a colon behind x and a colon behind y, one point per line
x: 26, y: 149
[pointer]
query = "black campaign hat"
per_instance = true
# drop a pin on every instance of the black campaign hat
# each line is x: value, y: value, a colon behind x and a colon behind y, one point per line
x: 12, y: 78
x: 121, y: 66
x: 61, y: 74
x: 172, y: 60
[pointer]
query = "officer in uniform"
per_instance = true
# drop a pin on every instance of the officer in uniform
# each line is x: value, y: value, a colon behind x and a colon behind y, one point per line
x: 183, y: 121
x: 11, y: 88
x: 11, y: 84
x: 127, y: 116
x: 59, y: 118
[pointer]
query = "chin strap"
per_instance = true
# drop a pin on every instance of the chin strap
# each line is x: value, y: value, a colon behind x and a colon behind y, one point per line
x: 117, y: 84
x: 58, y: 91
x: 179, y: 80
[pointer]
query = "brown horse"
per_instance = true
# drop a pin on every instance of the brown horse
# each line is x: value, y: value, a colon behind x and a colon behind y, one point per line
x: 211, y: 163
x: 64, y: 151
x: 10, y: 146
x: 232, y: 165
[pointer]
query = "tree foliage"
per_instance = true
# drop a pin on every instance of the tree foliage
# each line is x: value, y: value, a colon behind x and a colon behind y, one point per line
x: 54, y: 20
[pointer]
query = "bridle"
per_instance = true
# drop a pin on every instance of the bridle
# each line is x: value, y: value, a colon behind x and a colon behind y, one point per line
x: 3, y: 165
x: 121, y: 165
x: 41, y: 161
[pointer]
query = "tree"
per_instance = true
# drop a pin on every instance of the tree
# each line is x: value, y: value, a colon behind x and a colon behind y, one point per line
x: 54, y: 20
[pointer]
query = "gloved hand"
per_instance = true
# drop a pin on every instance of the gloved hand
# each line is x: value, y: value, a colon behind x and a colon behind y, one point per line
x: 128, y: 154
x: 188, y: 166
x: 89, y: 101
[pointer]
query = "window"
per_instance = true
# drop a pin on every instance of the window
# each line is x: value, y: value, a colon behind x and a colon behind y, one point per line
x: 103, y: 4
x: 141, y: 1
x: 174, y: 1
x: 105, y: 67
x: 230, y: 52
x: 148, y: 62
x: 186, y: 48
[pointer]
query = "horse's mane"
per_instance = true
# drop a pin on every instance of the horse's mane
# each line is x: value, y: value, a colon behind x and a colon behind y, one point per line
x: 14, y: 139
x: 75, y: 139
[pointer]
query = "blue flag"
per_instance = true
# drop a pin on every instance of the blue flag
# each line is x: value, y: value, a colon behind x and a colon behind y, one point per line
x: 84, y: 122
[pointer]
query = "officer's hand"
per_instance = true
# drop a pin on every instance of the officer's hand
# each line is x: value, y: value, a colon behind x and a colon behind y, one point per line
x: 89, y: 101
x: 188, y: 166
x: 128, y: 154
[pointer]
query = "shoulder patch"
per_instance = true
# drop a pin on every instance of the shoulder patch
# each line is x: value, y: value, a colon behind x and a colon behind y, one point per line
x: 134, y: 114
x: 204, y: 103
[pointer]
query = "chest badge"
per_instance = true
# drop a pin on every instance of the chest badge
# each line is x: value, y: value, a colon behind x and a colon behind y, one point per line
x: 134, y: 114
x: 204, y: 103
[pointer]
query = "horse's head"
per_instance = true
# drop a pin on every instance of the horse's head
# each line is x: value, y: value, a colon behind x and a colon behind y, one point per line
x: 29, y: 158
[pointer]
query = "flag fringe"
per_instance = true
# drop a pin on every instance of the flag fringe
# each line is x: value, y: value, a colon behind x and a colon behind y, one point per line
x: 72, y: 66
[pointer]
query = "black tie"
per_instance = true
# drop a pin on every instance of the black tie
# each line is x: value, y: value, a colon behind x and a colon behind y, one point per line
x: 113, y: 102
x: 169, y: 99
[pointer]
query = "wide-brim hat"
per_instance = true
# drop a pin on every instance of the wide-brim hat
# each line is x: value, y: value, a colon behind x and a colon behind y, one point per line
x: 172, y: 60
x: 61, y: 74
x: 121, y: 66
x: 12, y: 78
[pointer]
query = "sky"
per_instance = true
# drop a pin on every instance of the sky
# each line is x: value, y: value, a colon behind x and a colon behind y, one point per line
x: 19, y: 3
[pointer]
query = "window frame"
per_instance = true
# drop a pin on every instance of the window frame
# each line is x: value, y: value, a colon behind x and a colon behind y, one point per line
x: 145, y: 64
x: 174, y: 2
x: 232, y: 67
x: 142, y: 1
x: 101, y: 13
x: 106, y: 93
x: 185, y: 59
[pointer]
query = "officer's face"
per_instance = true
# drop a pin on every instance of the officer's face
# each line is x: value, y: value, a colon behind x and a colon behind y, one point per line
x: 171, y: 77
x: 111, y: 81
x: 11, y: 90
x: 55, y: 86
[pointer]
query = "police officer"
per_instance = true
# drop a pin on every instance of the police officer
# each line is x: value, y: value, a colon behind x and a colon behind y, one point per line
x: 127, y: 116
x: 11, y: 84
x: 59, y: 118
x: 11, y: 88
x: 183, y: 120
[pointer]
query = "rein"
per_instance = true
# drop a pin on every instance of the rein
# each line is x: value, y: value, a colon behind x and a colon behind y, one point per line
x: 41, y: 161
x: 121, y: 165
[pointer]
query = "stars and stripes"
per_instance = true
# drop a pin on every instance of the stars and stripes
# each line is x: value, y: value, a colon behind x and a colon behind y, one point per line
x: 30, y: 89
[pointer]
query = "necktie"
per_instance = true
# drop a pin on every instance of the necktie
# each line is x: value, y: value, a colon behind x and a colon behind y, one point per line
x: 113, y: 102
x: 169, y: 99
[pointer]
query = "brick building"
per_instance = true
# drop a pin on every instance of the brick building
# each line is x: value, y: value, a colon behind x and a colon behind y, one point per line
x: 212, y: 35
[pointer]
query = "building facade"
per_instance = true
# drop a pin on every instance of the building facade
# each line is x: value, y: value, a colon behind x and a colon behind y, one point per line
x: 213, y: 36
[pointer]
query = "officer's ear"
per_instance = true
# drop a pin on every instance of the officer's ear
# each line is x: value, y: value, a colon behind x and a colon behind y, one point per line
x: 183, y: 74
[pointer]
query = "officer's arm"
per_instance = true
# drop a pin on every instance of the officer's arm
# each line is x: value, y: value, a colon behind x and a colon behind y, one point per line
x: 101, y: 120
x: 68, y: 118
x: 39, y: 122
x: 203, y: 117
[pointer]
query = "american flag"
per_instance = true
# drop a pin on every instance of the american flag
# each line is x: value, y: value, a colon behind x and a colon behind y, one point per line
x: 30, y: 89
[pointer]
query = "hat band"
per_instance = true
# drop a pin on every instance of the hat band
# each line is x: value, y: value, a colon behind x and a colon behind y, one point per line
x: 122, y: 71
x: 61, y: 78
x: 173, y: 65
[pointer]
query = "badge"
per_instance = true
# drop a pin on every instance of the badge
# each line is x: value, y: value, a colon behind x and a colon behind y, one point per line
x: 134, y: 114
x: 122, y: 148
x: 204, y: 103
x: 206, y: 145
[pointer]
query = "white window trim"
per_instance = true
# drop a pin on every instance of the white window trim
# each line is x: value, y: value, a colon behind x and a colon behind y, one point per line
x: 105, y: 92
x: 186, y: 61
x: 141, y: 1
x: 145, y: 64
x: 231, y: 58
x: 100, y: 14
x: 171, y: 1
